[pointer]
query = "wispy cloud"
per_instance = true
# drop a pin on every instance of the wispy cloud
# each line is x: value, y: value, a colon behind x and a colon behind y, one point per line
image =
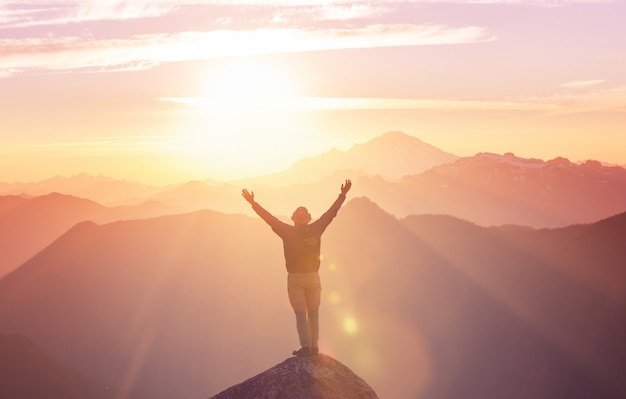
x: 613, y: 99
x: 582, y: 84
x: 143, y: 51
x: 37, y: 13
x: 511, y: 2
x: 607, y: 99
x: 341, y: 103
x: 61, y: 12
x: 351, y: 11
x: 5, y: 73
x: 106, y: 144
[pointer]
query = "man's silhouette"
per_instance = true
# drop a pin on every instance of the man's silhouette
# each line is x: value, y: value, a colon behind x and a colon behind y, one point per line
x: 301, y: 245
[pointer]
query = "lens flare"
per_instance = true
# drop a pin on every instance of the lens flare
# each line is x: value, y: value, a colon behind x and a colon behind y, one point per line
x: 350, y: 326
x: 334, y: 298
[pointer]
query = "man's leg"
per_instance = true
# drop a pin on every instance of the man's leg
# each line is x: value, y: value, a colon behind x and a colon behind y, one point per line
x: 302, y: 325
x: 297, y: 299
x: 314, y: 327
x: 313, y: 298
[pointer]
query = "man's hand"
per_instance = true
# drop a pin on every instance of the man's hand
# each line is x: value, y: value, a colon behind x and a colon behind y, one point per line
x: 346, y: 187
x: 248, y: 196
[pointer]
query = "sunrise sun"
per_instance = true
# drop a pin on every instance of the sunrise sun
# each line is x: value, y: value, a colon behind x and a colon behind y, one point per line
x: 247, y: 87
x: 246, y: 118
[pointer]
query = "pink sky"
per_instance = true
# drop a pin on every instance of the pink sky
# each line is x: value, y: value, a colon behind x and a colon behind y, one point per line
x: 168, y: 91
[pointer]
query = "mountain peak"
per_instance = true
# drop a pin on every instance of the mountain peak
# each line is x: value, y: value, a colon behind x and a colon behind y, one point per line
x: 320, y: 377
x: 397, y: 136
x: 399, y: 142
x: 391, y: 155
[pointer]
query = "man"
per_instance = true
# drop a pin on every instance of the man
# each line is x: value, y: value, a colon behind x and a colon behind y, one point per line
x: 301, y: 246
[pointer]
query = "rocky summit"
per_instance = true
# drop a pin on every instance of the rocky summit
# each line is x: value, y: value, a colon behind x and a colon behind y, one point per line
x: 311, y: 377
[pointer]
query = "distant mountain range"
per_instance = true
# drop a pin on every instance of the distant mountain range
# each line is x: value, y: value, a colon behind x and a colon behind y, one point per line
x: 401, y: 173
x: 491, y: 189
x: 188, y: 305
x: 101, y: 189
x: 392, y: 155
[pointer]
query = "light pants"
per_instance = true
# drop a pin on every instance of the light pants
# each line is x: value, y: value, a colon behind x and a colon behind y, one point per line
x: 305, y: 291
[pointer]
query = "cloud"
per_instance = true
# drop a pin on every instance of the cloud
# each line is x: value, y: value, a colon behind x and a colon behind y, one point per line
x: 6, y: 73
x: 581, y: 84
x: 339, y: 103
x: 608, y: 99
x: 612, y: 100
x: 107, y: 144
x: 351, y: 11
x: 144, y: 51
x: 62, y: 12
x: 55, y: 12
x: 550, y: 3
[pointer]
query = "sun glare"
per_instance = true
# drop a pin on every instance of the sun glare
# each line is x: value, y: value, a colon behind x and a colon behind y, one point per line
x: 244, y: 88
x: 246, y: 119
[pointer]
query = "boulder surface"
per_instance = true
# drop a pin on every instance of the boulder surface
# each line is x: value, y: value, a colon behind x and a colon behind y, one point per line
x: 310, y: 377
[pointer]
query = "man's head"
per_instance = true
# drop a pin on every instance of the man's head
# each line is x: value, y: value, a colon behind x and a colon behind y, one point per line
x: 301, y: 216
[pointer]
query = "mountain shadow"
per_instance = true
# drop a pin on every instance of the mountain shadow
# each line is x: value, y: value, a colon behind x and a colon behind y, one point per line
x: 422, y: 307
x: 27, y: 372
x: 490, y: 317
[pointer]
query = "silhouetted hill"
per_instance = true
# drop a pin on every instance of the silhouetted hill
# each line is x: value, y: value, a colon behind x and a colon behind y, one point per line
x: 32, y: 224
x: 197, y: 195
x: 392, y: 155
x: 26, y: 372
x: 153, y: 303
x: 314, y: 377
x: 9, y: 202
x: 28, y: 225
x: 490, y: 317
x: 102, y: 189
x: 427, y: 306
x: 586, y: 252
x: 558, y: 282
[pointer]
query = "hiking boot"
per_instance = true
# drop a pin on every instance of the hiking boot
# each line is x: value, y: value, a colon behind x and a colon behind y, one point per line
x: 304, y: 351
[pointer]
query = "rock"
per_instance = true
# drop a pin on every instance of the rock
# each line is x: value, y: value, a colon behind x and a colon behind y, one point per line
x: 311, y: 377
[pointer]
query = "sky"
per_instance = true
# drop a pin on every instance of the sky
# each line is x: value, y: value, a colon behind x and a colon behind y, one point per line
x: 169, y: 91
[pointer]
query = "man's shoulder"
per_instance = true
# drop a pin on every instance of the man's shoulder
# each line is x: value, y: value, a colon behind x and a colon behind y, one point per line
x: 318, y: 225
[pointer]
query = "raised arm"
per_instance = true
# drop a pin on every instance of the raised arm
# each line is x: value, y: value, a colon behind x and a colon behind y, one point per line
x: 270, y: 219
x: 248, y: 196
x: 346, y: 187
x: 330, y: 214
